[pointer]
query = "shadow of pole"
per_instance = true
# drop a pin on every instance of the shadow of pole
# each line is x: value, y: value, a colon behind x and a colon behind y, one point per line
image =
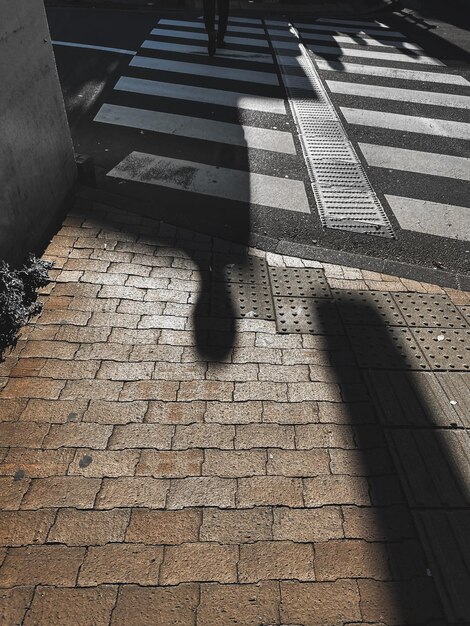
x: 413, y: 423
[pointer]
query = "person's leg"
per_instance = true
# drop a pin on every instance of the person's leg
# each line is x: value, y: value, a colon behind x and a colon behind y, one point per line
x: 209, y: 15
x: 209, y: 21
x: 223, y: 6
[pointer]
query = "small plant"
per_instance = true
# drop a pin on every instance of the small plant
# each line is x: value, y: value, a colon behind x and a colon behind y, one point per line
x: 18, y: 297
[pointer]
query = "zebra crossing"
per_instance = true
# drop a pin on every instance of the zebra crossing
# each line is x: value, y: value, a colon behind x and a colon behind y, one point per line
x: 407, y: 117
x: 404, y: 111
x: 181, y: 87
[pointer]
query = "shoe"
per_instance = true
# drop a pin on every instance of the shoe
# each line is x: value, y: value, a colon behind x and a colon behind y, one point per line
x: 212, y: 46
x: 220, y: 40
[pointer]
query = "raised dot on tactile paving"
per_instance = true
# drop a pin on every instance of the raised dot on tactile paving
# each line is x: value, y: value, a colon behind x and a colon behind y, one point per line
x: 85, y: 460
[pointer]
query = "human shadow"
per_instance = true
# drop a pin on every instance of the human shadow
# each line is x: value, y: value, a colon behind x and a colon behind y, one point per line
x: 412, y: 433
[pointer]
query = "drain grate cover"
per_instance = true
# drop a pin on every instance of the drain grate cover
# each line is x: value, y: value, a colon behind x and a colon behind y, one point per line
x: 368, y: 307
x: 343, y: 193
x: 242, y: 300
x: 445, y: 349
x: 315, y: 316
x: 430, y: 310
x: 386, y: 347
x: 250, y: 269
x: 302, y: 282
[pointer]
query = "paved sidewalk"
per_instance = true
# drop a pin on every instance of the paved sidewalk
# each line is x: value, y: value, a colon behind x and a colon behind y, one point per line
x: 302, y: 465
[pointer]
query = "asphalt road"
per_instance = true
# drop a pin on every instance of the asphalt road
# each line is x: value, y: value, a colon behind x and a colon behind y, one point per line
x: 228, y: 158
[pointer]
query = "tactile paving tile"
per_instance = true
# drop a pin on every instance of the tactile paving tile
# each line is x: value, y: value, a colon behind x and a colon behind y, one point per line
x: 316, y: 316
x: 465, y: 311
x: 386, y: 347
x: 299, y: 282
x: 242, y: 300
x: 444, y: 535
x: 429, y: 310
x: 249, y: 270
x: 444, y: 348
x: 423, y: 399
x: 367, y: 307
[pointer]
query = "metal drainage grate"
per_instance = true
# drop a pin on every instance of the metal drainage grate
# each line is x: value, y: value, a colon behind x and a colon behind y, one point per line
x: 303, y: 282
x: 368, y: 307
x: 250, y: 270
x: 343, y: 193
x: 316, y: 316
x: 386, y: 347
x: 424, y: 309
x: 242, y: 300
x: 445, y: 349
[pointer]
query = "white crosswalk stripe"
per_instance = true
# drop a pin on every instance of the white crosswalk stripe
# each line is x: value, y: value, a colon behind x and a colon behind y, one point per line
x: 164, y: 80
x: 394, y: 156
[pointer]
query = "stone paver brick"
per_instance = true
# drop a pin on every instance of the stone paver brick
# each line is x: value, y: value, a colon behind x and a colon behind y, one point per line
x: 121, y: 292
x: 156, y: 353
x: 175, y: 412
x: 269, y: 491
x: 81, y: 607
x: 83, y: 528
x: 132, y: 307
x: 69, y: 370
x: 170, y: 464
x: 372, y: 524
x: 110, y: 370
x: 130, y: 492
x: 373, y: 462
x: 204, y: 436
x: 164, y: 527
x: 179, y: 371
x: 79, y: 334
x: 344, y: 413
x: 91, y: 389
x: 149, y: 390
x: 287, y: 342
x: 297, y: 392
x: 53, y: 411
x: 74, y: 318
x: 103, y: 351
x: 174, y: 606
x: 301, y: 356
x: 290, y: 412
x: 204, y: 491
x: 41, y: 565
x: 324, y: 436
x: 11, y: 409
x: 128, y: 268
x: 351, y: 558
x: 413, y: 601
x: 232, y: 605
x: 99, y: 463
x: 283, y: 373
x: 94, y: 305
x: 18, y: 528
x: 258, y: 390
x: 320, y: 604
x: 298, y: 462
x: 156, y: 436
x: 236, y: 526
x: 339, y: 489
x: 23, y: 435
x: 308, y: 525
x: 14, y: 603
x: 206, y: 390
x: 234, y: 412
x: 25, y: 367
x: 12, y: 492
x: 105, y: 412
x: 265, y: 436
x: 121, y: 563
x: 133, y: 338
x: 36, y: 463
x: 61, y: 491
x: 256, y: 355
x: 77, y: 435
x: 162, y: 321
x: 276, y: 560
x: 234, y: 463
x: 232, y: 372
x: 199, y: 562
x: 32, y: 388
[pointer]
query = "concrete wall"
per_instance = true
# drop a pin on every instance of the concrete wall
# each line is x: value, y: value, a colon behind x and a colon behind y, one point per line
x: 37, y: 169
